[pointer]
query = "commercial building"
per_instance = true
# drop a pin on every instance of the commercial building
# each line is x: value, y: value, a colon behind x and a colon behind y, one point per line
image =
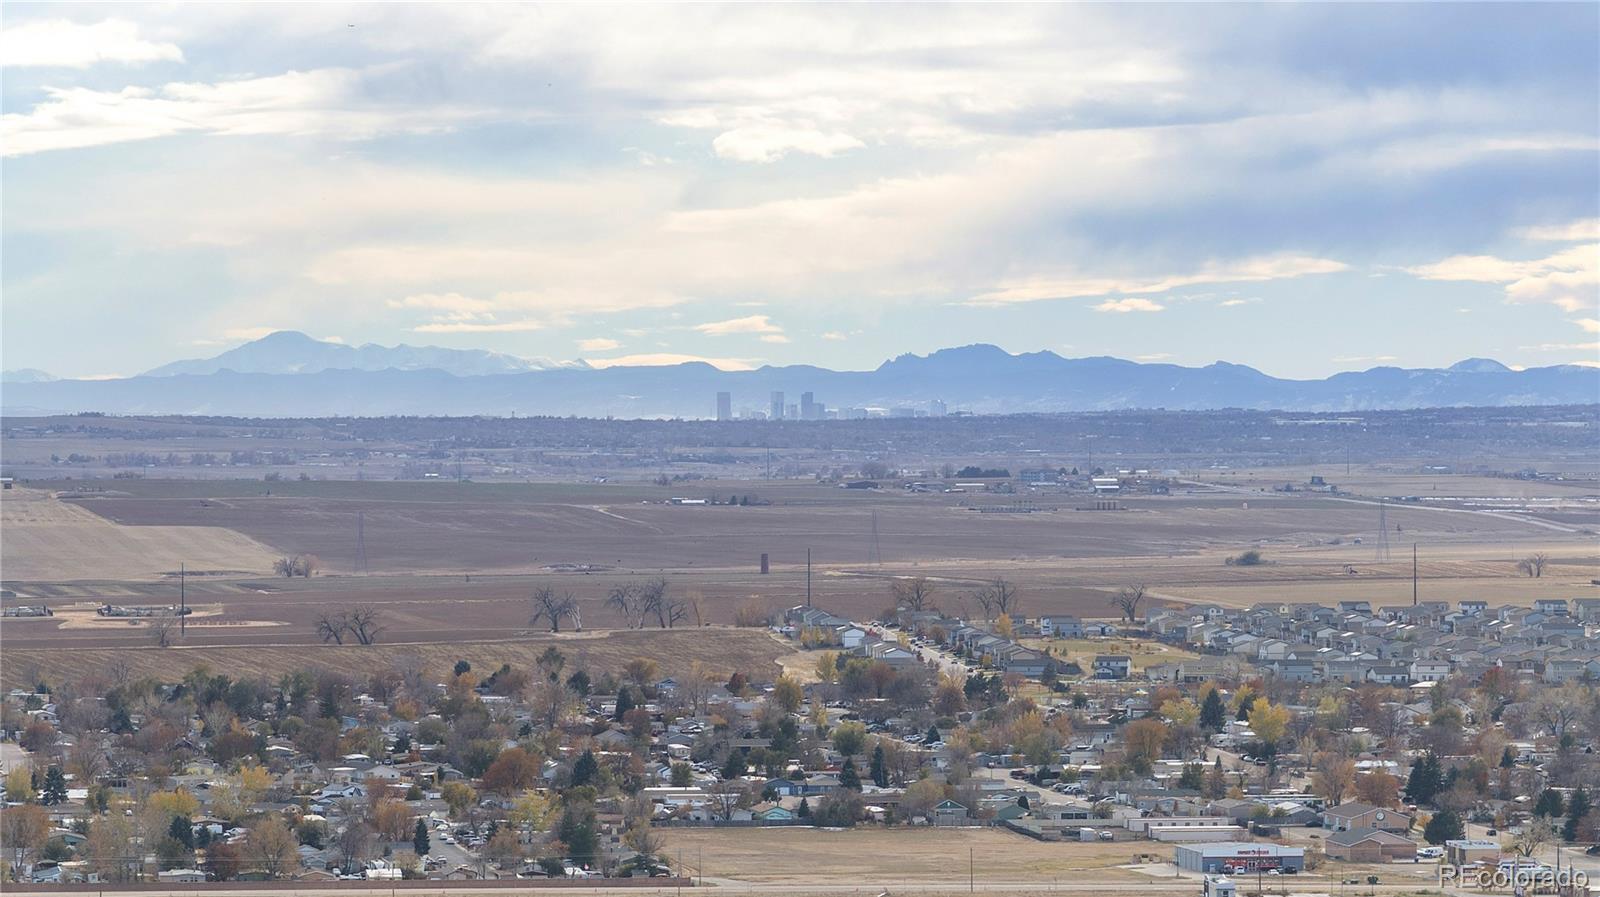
x: 776, y: 412
x: 808, y: 407
x: 724, y: 406
x: 1468, y: 851
x: 1370, y: 845
x: 1229, y: 857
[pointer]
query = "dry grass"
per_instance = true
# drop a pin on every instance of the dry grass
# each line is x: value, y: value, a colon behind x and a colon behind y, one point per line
x: 53, y: 540
x: 1143, y: 653
x: 722, y: 651
x: 886, y: 855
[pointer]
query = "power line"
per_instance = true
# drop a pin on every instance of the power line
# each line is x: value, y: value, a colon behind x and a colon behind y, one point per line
x: 361, y: 542
x: 1383, y: 532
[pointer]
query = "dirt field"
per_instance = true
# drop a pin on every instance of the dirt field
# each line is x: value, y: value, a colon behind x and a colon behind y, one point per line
x: 43, y: 538
x: 873, y: 856
x: 721, y: 650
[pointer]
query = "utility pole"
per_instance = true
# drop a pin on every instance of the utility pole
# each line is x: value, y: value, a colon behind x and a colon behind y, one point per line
x: 808, y: 577
x: 183, y: 599
x: 1413, y: 574
x: 972, y: 872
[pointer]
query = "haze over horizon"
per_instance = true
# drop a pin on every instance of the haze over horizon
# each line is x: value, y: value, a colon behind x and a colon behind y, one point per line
x: 1299, y: 189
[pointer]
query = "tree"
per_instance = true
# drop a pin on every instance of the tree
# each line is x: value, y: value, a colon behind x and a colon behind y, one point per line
x: 1145, y: 738
x: 182, y: 831
x: 365, y: 624
x: 787, y: 694
x: 551, y: 606
x: 841, y: 809
x: 1213, y: 713
x: 998, y: 598
x: 848, y: 777
x: 271, y: 848
x: 1533, y: 565
x: 1445, y: 825
x: 914, y: 594
x: 55, y: 787
x: 162, y: 630
x: 23, y: 830
x: 1577, y: 809
x: 585, y: 769
x: 1533, y: 835
x: 1269, y: 722
x: 19, y: 785
x: 804, y: 810
x: 1334, y: 777
x: 513, y: 771
x: 849, y: 738
x: 458, y: 796
x: 1549, y: 804
x: 223, y: 861
x: 880, y: 767
x: 1378, y: 789
x: 682, y: 775
x: 1127, y: 600
x: 1426, y: 780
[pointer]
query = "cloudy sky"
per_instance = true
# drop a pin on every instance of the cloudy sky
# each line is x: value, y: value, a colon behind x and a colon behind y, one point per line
x: 1300, y: 188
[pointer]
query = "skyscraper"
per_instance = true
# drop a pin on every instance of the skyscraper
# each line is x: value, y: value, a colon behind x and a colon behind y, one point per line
x: 808, y: 408
x: 777, y: 405
x: 724, y: 406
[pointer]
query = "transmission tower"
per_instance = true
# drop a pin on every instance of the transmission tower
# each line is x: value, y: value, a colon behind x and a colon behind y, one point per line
x: 1383, y: 533
x: 875, y: 556
x: 361, y: 542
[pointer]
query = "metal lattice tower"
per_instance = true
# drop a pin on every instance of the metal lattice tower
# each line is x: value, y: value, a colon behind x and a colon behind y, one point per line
x: 361, y: 542
x: 1382, y: 555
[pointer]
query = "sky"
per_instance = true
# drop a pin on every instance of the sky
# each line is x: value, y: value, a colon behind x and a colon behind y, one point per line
x: 1300, y: 188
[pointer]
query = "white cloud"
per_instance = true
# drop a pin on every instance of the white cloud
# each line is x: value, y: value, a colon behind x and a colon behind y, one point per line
x: 1588, y: 325
x: 836, y: 336
x: 457, y: 326
x: 58, y: 43
x: 1563, y: 347
x: 1263, y: 268
x: 751, y: 324
x: 1568, y: 279
x: 1123, y: 306
x: 775, y: 338
x: 332, y: 102
x: 771, y: 143
x: 449, y: 302
x: 666, y: 358
x: 598, y: 344
x: 1572, y: 232
x: 1235, y: 303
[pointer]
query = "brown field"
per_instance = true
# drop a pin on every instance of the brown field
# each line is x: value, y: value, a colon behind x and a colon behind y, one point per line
x: 454, y: 564
x: 45, y: 538
x: 723, y: 651
x: 880, y: 856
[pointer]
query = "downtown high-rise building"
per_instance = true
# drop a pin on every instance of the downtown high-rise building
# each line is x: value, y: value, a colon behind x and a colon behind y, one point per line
x: 724, y: 406
x: 808, y: 406
x: 777, y: 405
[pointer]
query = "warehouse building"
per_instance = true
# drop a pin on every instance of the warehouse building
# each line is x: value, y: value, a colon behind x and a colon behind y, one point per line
x: 1229, y: 857
x: 1370, y: 845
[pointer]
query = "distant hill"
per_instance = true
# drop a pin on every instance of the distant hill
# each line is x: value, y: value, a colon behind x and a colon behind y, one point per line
x: 26, y: 375
x: 292, y: 352
x: 293, y: 375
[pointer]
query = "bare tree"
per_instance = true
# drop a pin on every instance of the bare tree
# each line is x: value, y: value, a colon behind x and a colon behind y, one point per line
x: 1533, y: 565
x: 332, y: 627
x: 365, y: 624
x: 727, y: 797
x: 550, y: 605
x: 997, y: 598
x: 628, y: 599
x: 297, y: 565
x: 1127, y: 600
x: 1535, y: 834
x: 162, y: 630
x: 914, y: 594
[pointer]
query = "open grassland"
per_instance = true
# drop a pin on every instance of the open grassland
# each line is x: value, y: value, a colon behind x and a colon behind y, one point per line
x: 44, y: 538
x: 722, y: 651
x: 1144, y: 653
x: 877, y: 856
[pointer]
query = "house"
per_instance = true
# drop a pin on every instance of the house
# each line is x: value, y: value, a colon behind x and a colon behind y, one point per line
x: 1553, y: 606
x: 1370, y: 845
x: 948, y: 812
x: 1350, y: 816
x: 1061, y: 627
x: 1112, y: 666
x: 1429, y: 670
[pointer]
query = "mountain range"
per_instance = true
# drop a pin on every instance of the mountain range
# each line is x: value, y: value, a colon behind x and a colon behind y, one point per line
x: 289, y: 374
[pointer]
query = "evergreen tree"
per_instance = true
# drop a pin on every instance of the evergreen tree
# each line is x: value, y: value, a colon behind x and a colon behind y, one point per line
x: 578, y: 830
x: 419, y: 839
x: 1508, y: 759
x: 1577, y: 807
x: 1444, y: 826
x: 880, y: 768
x: 735, y: 767
x: 579, y: 683
x: 584, y: 770
x: 849, y: 779
x: 1022, y: 801
x: 624, y: 702
x: 55, y: 787
x: 1425, y: 781
x: 1213, y: 713
x: 182, y: 831
x: 1193, y: 777
x: 804, y: 810
x: 932, y: 736
x: 1244, y: 708
x: 1550, y: 803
